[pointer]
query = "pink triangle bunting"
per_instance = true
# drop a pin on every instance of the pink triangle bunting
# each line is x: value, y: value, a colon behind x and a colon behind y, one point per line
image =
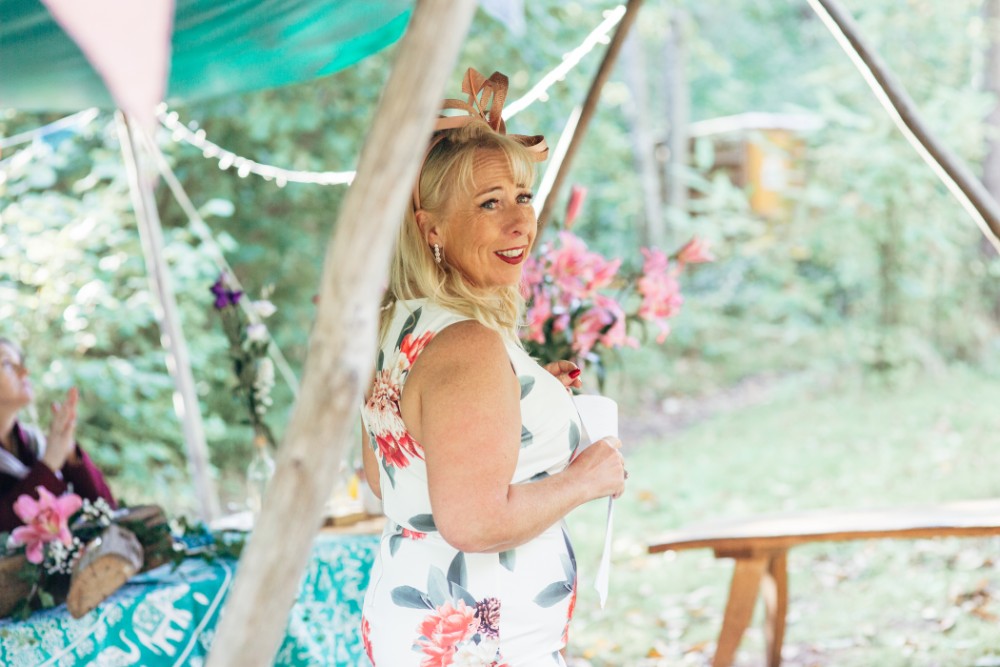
x: 128, y: 44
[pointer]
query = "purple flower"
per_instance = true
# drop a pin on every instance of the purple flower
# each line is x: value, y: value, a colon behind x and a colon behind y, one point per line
x: 223, y: 295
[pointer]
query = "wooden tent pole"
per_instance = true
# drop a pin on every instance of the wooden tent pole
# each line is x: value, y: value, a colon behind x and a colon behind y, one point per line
x: 956, y: 176
x: 186, y: 404
x: 343, y: 341
x: 589, y: 106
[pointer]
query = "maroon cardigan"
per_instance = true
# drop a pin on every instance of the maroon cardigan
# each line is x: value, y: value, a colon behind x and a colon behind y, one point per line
x: 86, y: 479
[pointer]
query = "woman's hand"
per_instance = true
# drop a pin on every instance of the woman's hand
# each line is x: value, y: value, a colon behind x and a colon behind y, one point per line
x: 601, y: 467
x: 61, y: 447
x: 566, y: 372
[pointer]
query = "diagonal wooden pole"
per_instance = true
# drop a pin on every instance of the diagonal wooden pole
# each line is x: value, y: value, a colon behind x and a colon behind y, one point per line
x: 343, y: 340
x: 955, y: 175
x: 589, y: 106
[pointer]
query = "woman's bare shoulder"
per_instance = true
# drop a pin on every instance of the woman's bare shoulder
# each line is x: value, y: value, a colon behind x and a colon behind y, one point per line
x: 466, y: 347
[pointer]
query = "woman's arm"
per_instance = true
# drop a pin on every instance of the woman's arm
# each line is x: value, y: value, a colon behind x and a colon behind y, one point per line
x: 462, y: 403
x: 86, y: 478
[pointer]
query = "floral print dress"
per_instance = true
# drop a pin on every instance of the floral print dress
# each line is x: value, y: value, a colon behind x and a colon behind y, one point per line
x: 428, y: 604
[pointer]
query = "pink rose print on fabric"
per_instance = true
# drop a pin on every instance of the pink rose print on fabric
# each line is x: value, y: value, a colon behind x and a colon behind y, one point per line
x: 366, y: 629
x: 442, y: 630
x: 392, y: 440
x: 410, y: 347
x: 569, y: 614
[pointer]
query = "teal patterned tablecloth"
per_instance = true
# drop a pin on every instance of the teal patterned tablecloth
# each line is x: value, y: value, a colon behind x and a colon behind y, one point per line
x: 167, y: 618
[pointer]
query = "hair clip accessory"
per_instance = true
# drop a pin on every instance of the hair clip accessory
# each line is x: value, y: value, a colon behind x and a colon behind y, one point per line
x: 485, y: 104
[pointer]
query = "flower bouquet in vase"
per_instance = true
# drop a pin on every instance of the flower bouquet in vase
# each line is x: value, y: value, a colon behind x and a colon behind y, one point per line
x: 249, y: 343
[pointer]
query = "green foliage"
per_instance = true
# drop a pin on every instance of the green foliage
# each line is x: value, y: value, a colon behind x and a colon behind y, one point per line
x: 874, y: 265
x: 808, y: 442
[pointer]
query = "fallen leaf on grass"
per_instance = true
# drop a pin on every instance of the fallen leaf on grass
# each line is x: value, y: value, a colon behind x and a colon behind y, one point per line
x: 697, y: 648
x: 985, y: 614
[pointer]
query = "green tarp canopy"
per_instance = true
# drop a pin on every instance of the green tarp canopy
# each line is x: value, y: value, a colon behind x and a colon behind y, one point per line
x: 219, y: 47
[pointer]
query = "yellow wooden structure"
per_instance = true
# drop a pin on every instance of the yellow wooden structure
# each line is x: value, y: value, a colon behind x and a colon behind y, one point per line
x: 761, y: 153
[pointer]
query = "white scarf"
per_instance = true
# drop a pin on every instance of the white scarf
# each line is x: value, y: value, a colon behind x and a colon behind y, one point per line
x: 11, y: 465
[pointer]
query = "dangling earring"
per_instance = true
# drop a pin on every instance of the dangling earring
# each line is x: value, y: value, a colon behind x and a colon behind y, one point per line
x: 437, y: 253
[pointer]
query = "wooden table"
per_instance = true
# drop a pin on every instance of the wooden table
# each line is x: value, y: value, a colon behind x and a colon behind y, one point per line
x: 760, y: 545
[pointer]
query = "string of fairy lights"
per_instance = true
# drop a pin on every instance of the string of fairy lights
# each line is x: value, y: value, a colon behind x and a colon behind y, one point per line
x: 195, y: 136
x: 192, y: 134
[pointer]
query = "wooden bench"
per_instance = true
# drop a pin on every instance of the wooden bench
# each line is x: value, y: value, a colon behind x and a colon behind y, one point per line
x: 760, y: 545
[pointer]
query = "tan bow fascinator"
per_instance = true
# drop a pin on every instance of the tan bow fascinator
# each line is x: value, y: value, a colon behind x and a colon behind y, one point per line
x: 485, y: 104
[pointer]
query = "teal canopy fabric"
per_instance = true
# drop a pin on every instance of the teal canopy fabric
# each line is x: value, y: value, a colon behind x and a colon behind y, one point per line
x: 220, y: 47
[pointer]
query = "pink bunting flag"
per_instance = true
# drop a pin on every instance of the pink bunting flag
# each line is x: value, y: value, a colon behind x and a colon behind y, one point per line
x: 128, y: 44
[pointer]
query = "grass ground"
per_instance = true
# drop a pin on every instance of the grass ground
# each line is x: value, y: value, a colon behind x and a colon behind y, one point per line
x: 805, y: 443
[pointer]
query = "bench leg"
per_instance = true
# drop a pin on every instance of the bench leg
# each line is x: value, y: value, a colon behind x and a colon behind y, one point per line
x: 775, y: 593
x: 739, y: 608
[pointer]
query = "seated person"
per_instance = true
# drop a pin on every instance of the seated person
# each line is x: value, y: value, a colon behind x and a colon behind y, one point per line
x: 27, y: 458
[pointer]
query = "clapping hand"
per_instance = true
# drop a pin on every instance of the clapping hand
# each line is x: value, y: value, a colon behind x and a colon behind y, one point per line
x: 61, y: 448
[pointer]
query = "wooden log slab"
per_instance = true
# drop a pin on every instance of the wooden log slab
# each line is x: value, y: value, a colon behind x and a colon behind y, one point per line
x: 107, y: 563
x: 13, y: 589
x: 157, y: 542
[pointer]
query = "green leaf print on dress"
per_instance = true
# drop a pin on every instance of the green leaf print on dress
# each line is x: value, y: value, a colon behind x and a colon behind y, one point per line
x: 527, y: 383
x: 574, y: 436
x: 408, y: 327
x: 423, y: 522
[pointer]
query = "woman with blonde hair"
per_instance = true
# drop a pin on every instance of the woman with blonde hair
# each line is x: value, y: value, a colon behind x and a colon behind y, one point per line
x: 472, y: 446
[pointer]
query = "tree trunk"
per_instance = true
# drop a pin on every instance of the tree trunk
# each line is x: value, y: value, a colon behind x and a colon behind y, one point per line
x: 587, y: 112
x: 643, y: 146
x: 991, y: 84
x: 343, y: 341
x: 679, y: 116
x: 991, y: 159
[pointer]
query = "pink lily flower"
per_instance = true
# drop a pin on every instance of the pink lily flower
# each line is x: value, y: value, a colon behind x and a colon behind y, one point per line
x: 46, y: 520
x: 576, y: 198
x: 695, y: 251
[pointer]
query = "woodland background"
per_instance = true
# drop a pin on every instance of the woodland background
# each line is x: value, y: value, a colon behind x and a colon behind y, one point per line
x: 871, y: 279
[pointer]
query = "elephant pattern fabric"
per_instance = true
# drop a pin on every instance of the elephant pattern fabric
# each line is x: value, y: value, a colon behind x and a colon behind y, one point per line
x: 429, y: 604
x: 168, y: 618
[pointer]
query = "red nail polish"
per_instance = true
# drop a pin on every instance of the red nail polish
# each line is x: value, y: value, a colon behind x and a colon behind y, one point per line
x: 575, y: 373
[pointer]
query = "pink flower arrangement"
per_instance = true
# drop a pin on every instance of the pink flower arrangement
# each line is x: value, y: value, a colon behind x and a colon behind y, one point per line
x: 580, y: 305
x: 46, y: 520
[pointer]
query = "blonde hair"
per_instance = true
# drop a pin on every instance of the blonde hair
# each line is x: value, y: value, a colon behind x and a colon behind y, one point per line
x: 447, y: 172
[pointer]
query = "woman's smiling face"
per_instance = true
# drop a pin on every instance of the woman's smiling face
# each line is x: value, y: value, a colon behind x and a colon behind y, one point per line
x: 487, y: 232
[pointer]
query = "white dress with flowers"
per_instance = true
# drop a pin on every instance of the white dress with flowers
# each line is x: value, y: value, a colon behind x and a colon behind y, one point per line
x: 428, y: 604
